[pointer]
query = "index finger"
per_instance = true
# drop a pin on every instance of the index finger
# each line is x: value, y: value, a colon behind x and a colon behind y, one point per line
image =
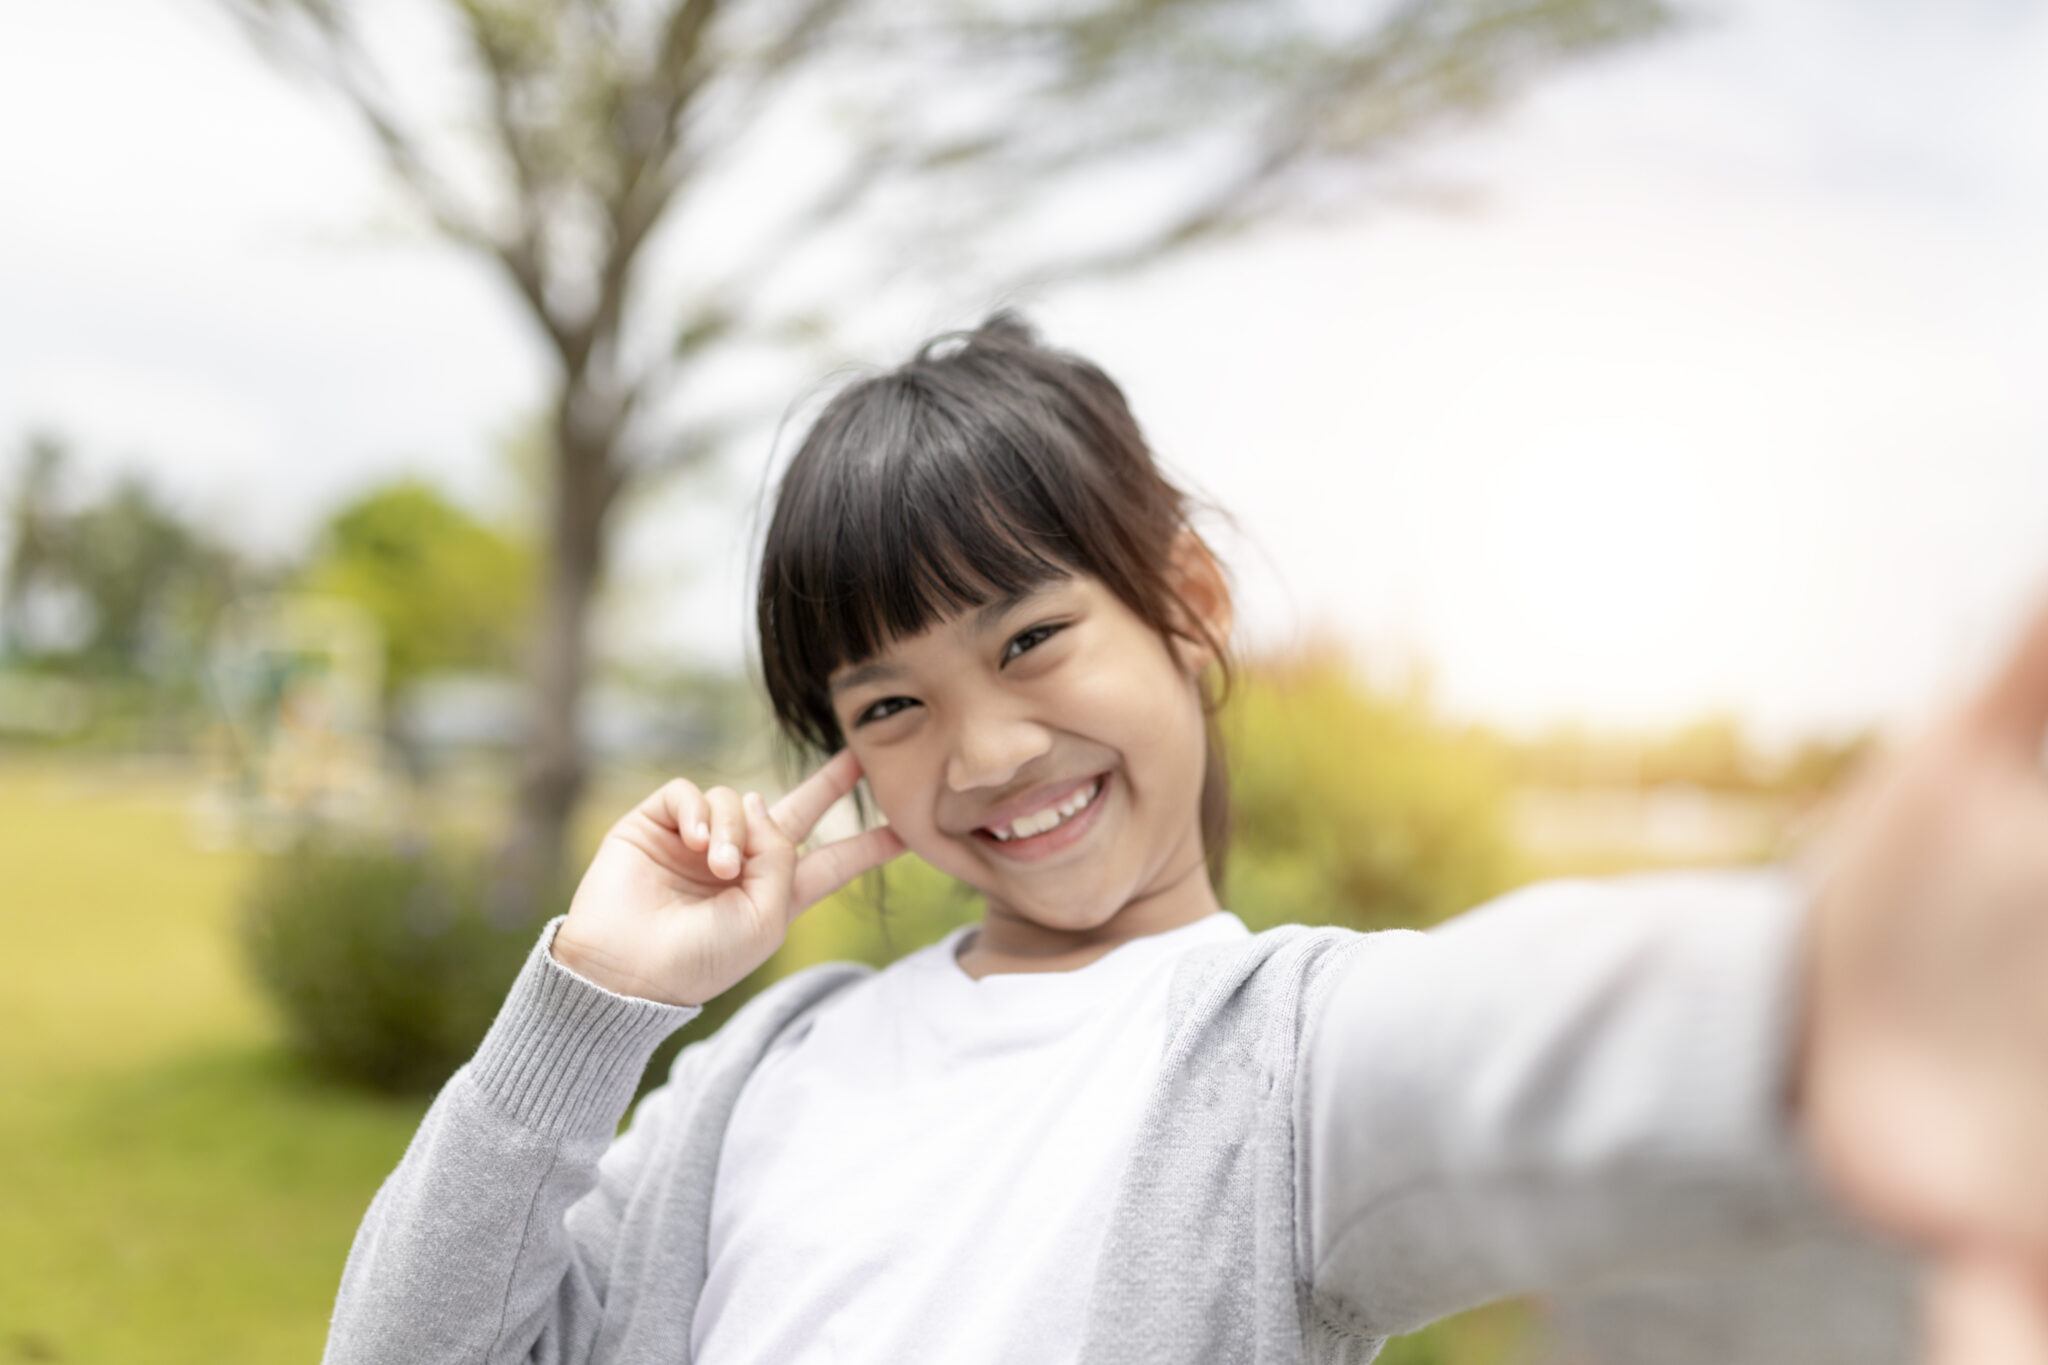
x: 806, y: 803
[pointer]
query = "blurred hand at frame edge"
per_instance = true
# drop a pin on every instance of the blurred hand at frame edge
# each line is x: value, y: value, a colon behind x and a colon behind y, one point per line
x: 1921, y: 1085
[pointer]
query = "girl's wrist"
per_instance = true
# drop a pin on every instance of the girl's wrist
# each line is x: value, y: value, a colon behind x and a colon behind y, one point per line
x: 565, y: 952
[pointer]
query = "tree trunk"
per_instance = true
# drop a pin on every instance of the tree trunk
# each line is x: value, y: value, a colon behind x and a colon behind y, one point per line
x: 530, y: 882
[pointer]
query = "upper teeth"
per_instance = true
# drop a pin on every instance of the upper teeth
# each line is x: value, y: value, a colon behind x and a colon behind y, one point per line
x: 1027, y: 825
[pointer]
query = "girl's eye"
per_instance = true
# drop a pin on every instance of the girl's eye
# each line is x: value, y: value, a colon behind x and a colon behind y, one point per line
x: 1045, y: 631
x: 873, y: 713
x: 1037, y: 635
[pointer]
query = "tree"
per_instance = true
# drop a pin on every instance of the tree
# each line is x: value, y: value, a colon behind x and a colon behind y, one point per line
x: 146, y: 583
x: 34, y: 539
x: 961, y: 136
x: 448, y: 589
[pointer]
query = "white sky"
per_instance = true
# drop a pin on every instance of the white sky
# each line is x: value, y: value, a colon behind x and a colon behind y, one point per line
x: 1731, y: 394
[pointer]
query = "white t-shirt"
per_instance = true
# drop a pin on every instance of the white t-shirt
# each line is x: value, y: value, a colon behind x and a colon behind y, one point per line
x: 922, y: 1168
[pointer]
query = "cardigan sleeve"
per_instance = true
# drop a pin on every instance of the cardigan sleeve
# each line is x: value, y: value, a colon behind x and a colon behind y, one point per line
x: 489, y: 1242
x: 1578, y: 1083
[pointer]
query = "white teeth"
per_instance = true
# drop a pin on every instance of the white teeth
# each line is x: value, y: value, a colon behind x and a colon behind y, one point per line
x: 1026, y: 826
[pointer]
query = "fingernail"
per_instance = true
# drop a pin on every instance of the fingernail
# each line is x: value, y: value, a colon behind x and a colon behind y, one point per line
x: 727, y: 854
x: 701, y: 830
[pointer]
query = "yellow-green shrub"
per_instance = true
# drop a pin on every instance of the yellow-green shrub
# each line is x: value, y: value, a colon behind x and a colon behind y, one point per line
x: 1354, y: 806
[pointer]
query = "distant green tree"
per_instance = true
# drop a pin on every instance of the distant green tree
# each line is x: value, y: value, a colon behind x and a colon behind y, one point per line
x: 449, y: 589
x: 146, y: 582
x: 34, y: 533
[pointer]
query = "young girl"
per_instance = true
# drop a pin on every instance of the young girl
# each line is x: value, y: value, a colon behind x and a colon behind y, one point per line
x: 1109, y: 1123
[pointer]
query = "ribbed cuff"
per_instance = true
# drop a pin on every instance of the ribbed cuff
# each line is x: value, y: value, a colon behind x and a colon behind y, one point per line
x: 565, y: 1055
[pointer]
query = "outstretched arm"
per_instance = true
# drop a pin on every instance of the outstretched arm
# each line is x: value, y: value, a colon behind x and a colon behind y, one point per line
x: 1577, y: 1081
x: 1590, y: 1080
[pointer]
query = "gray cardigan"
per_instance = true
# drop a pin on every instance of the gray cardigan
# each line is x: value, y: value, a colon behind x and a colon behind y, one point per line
x: 1575, y: 1089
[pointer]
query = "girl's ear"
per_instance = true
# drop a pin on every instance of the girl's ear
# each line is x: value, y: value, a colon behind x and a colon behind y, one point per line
x: 1199, y: 589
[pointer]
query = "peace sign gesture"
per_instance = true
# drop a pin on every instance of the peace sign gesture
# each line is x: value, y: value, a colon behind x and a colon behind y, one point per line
x: 691, y: 889
x: 1924, y: 1076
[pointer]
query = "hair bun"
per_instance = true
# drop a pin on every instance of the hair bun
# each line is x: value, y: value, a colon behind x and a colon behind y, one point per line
x: 1009, y: 326
x: 1006, y: 328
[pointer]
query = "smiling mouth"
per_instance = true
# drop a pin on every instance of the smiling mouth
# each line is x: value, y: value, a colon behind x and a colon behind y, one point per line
x: 1079, y: 811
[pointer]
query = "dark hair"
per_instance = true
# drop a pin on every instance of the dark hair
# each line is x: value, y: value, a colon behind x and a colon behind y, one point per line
x: 987, y: 464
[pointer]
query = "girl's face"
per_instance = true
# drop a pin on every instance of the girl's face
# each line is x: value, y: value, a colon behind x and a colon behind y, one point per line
x: 1021, y: 708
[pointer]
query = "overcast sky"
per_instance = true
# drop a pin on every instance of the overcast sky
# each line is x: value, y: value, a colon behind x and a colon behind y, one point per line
x: 1730, y: 394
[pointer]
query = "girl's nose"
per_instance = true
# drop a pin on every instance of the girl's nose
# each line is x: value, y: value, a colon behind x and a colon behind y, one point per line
x: 991, y: 750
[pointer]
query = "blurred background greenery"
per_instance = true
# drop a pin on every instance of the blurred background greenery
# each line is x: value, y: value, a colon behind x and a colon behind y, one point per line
x: 277, y: 828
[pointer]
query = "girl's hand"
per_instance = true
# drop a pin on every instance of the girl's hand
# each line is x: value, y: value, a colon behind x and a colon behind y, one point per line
x: 1985, y: 1313
x: 691, y: 890
x: 1923, y: 1081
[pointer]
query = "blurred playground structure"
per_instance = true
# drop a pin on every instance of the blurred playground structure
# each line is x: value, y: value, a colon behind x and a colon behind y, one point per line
x: 298, y: 728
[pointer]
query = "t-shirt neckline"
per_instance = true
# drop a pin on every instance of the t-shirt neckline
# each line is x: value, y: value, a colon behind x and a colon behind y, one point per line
x: 1037, y: 994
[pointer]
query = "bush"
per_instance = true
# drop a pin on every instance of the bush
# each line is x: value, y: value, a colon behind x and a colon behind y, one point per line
x: 1357, y: 806
x: 379, y: 957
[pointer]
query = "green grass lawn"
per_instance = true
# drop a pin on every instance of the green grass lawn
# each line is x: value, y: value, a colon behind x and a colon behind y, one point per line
x: 178, y: 1190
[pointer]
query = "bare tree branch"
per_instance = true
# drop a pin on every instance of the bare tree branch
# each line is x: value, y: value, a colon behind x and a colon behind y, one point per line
x: 340, y: 61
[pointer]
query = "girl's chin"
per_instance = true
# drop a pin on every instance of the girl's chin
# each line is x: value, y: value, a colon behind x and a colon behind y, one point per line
x: 1059, y: 916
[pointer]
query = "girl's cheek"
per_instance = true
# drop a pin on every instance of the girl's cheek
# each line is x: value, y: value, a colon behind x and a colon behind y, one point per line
x: 1101, y: 695
x: 882, y: 791
x: 1130, y: 704
x: 905, y: 801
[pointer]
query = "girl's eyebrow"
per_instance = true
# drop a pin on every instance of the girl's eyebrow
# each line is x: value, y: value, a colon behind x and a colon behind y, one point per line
x: 869, y: 672
x: 984, y: 620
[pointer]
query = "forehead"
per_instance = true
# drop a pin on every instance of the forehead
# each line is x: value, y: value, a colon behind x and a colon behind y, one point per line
x: 979, y: 621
